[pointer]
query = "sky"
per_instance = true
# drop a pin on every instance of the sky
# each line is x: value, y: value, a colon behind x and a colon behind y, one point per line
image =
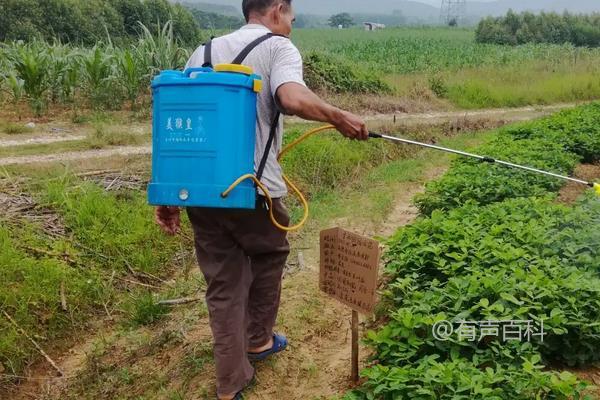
x: 437, y: 3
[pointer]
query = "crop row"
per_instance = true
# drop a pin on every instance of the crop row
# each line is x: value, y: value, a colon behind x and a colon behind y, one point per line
x: 555, y: 144
x: 495, y: 260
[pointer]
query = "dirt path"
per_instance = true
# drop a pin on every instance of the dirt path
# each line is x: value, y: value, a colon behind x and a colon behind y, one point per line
x: 320, y: 367
x: 505, y: 115
x: 76, y: 155
x: 40, y: 140
x: 58, y: 131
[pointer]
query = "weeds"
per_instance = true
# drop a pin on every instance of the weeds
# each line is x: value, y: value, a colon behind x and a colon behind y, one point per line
x: 102, y: 136
x: 196, y: 359
x: 15, y: 129
x: 325, y: 73
x: 108, y: 238
x: 144, y: 310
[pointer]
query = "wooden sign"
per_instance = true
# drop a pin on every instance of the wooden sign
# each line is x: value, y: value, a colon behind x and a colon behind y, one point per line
x: 349, y: 268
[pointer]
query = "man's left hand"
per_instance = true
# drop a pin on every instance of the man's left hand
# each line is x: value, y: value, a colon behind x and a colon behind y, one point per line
x: 168, y: 219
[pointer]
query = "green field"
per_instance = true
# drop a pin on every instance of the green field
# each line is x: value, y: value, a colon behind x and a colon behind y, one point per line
x: 451, y: 65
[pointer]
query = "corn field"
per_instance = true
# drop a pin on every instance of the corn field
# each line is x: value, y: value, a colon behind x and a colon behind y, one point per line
x: 101, y: 77
x: 431, y: 49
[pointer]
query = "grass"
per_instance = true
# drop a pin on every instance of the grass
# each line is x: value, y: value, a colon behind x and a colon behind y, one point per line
x: 103, y: 136
x: 196, y: 359
x: 118, y: 226
x: 145, y: 310
x: 10, y: 128
x: 31, y: 294
x: 515, y: 86
x: 110, y: 236
x: 508, y: 86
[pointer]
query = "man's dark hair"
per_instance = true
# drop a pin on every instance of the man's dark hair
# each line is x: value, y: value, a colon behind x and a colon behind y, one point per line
x: 260, y: 6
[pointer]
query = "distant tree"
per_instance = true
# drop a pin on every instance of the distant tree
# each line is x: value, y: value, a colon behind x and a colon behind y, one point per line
x: 343, y: 19
x: 513, y: 29
x: 159, y: 12
x: 210, y: 20
x: 133, y: 12
x: 302, y: 21
x: 90, y: 21
x: 19, y: 19
x: 100, y: 19
x: 310, y: 21
x: 185, y: 27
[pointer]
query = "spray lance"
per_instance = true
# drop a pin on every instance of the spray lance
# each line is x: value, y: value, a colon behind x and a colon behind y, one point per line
x: 486, y: 159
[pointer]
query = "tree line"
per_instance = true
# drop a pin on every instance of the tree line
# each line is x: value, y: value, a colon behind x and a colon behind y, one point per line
x: 211, y: 20
x: 515, y: 29
x: 89, y: 21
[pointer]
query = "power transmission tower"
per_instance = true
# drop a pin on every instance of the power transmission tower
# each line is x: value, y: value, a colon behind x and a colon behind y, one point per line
x: 453, y: 12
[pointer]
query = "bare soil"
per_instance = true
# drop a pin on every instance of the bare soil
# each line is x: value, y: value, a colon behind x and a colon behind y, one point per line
x: 572, y: 191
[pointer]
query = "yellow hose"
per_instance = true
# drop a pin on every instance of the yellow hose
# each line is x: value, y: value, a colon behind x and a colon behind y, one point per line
x: 288, y: 182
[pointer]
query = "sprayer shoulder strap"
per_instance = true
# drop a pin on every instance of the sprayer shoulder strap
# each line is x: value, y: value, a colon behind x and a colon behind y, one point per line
x: 208, y: 54
x: 244, y: 53
x: 238, y: 60
x: 265, y: 157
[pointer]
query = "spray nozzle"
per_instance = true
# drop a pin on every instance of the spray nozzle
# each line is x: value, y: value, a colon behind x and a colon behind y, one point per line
x: 597, y: 188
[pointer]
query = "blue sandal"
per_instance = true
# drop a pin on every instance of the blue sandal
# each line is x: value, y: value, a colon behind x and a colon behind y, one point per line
x: 240, y: 395
x: 279, y: 344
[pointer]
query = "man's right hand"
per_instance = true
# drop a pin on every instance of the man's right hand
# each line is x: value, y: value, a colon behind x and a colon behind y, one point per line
x: 168, y: 219
x: 351, y: 126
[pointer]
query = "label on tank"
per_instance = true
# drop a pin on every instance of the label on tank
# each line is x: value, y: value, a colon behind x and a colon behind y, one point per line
x: 191, y: 129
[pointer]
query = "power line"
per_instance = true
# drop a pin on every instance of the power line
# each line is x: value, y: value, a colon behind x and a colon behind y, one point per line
x: 453, y: 12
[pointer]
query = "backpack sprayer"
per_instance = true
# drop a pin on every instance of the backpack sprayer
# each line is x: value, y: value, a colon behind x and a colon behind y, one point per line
x: 204, y: 139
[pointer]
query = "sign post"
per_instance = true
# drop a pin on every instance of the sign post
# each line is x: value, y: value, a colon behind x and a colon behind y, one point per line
x: 354, y: 346
x: 348, y: 272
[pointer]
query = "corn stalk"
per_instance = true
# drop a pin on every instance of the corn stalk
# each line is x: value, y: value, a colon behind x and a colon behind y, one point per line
x: 160, y: 51
x: 31, y: 66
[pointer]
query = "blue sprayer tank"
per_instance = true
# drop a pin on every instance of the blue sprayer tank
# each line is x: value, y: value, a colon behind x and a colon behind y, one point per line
x: 203, y: 137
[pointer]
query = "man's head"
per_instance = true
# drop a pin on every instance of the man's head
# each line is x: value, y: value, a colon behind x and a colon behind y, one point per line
x: 277, y: 15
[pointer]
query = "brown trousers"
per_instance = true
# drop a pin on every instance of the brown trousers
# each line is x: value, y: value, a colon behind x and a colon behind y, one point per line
x: 242, y: 256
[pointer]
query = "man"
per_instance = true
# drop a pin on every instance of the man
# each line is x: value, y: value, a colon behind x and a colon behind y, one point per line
x: 241, y: 254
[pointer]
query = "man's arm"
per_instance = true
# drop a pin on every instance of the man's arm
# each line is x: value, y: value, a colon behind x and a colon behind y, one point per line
x: 297, y: 99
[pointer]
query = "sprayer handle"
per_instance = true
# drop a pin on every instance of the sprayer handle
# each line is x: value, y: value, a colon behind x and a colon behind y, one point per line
x: 188, y: 72
x: 375, y: 135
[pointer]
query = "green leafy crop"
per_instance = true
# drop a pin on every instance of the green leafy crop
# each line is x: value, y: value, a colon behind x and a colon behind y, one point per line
x: 554, y: 144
